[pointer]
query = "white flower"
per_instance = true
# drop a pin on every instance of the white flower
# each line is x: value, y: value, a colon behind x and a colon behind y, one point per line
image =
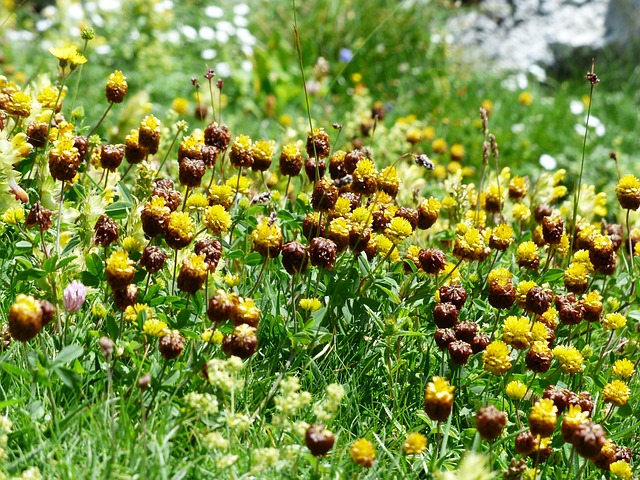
x: 576, y: 107
x: 548, y: 162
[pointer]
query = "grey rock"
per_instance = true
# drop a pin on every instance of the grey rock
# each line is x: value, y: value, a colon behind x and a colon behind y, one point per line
x: 516, y: 34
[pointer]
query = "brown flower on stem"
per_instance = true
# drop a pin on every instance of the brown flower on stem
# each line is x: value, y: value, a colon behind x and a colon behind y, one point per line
x: 193, y: 274
x: 432, y: 260
x: 539, y: 357
x: 117, y: 87
x: 466, y: 330
x: 445, y: 315
x: 570, y: 309
x: 336, y: 165
x: 539, y: 299
x: 318, y: 143
x: 242, y: 342
x: 552, y: 229
x: 444, y: 337
x: 155, y: 217
x: 153, y: 259
x: 126, y: 297
x: 105, y: 231
x: 120, y: 270
x: 294, y: 257
x: 313, y: 226
x: 171, y: 345
x: 460, y: 352
x: 588, y: 439
x: 525, y: 443
x: 455, y: 294
x: 164, y: 188
x: 149, y: 134
x: 479, y: 342
x: 64, y: 159
x: 502, y: 293
x: 222, y: 306
x: 191, y: 171
x: 324, y: 196
x: 37, y: 134
x: 38, y: 216
x: 541, y: 211
x: 217, y: 136
x: 310, y: 166
x: 211, y: 248
x: 133, y: 151
x: 322, y: 253
x: 290, y: 160
x: 352, y: 159
x: 319, y: 440
x: 25, y: 318
x: 490, y: 421
x: 438, y: 399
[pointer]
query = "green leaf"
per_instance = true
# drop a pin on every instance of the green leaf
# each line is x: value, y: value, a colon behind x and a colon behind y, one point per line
x: 68, y: 354
x: 253, y: 259
x: 95, y: 265
x: 551, y: 275
x: 71, y: 244
x: 14, y: 370
x: 49, y: 265
x: 31, y: 274
x: 23, y: 246
x: 118, y: 210
x: 125, y: 193
x: 68, y: 377
x: 65, y: 261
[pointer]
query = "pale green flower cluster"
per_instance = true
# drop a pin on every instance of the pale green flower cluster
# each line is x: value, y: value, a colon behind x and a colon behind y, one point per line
x: 202, y: 402
x: 224, y: 373
x: 327, y: 409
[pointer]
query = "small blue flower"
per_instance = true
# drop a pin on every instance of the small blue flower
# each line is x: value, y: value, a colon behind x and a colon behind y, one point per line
x: 345, y: 55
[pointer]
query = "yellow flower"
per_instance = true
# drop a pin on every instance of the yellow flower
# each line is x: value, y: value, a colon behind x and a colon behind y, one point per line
x: 388, y: 180
x: 525, y: 98
x: 384, y: 247
x: 155, y: 327
x: 232, y: 280
x: 214, y: 336
x: 439, y: 145
x: 267, y: 238
x: 516, y: 390
x: 543, y: 417
x: 263, y: 150
x: 501, y: 237
x: 521, y: 292
x: 621, y: 470
x: 499, y: 274
x: 197, y: 202
x: 415, y: 444
x: 521, y: 212
x: 527, y: 252
x: 132, y: 244
x: 311, y: 304
x: 570, y: 359
x: 48, y: 96
x: 623, y: 368
x: 217, y: 219
x: 363, y: 453
x: 68, y: 55
x: 628, y: 192
x: 241, y: 185
x: 132, y: 312
x: 117, y: 87
x: 517, y: 332
x: 19, y: 104
x: 13, y: 215
x: 221, y: 195
x: 399, y: 228
x: 496, y: 358
x: 616, y: 392
x: 614, y: 321
x: 451, y: 272
x: 180, y: 105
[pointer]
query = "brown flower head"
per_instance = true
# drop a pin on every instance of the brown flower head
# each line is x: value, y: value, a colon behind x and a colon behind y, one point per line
x: 105, y: 231
x: 153, y: 259
x: 318, y: 143
x: 322, y: 253
x: 294, y: 257
x: 319, y: 440
x: 38, y: 216
x: 171, y: 345
x: 242, y: 342
x: 490, y: 421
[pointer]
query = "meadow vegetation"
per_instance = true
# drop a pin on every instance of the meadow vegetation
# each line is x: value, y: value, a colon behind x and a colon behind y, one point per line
x: 269, y: 240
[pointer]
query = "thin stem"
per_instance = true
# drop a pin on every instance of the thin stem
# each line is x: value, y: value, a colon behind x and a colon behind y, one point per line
x: 576, y: 193
x: 59, y: 216
x: 104, y: 115
x: 166, y: 155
